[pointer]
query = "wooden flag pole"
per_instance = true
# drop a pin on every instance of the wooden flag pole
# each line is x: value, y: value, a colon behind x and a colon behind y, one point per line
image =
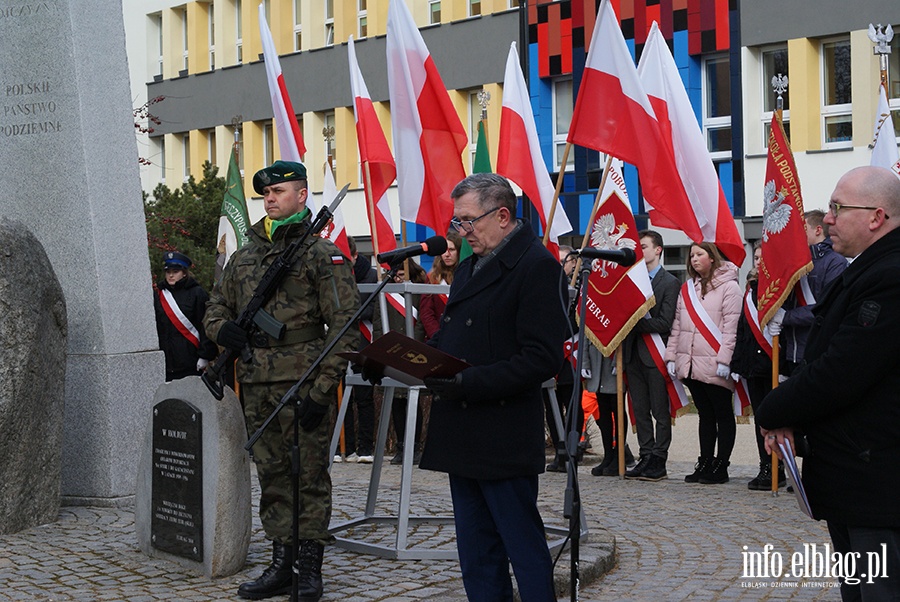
x: 775, y: 361
x: 556, y: 191
x: 620, y: 413
x: 587, y: 231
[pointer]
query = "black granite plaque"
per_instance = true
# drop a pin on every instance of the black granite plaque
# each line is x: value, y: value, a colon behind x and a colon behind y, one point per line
x: 176, y: 525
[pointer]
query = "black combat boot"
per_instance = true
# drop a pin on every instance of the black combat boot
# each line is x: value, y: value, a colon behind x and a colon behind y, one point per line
x: 655, y: 470
x: 702, y: 466
x: 275, y: 580
x: 717, y: 473
x: 309, y: 571
x: 763, y: 481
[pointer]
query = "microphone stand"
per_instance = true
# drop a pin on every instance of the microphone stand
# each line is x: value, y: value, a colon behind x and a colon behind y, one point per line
x: 292, y: 397
x: 572, y: 503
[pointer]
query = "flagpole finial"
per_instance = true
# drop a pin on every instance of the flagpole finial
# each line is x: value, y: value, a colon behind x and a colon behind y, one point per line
x: 779, y: 85
x: 881, y: 37
x: 484, y: 99
x: 236, y: 121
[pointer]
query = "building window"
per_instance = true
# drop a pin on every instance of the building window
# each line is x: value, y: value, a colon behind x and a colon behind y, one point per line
x: 893, y: 78
x: 212, y: 38
x: 837, y: 118
x: 186, y: 156
x: 329, y: 22
x: 184, y: 39
x: 239, y: 28
x: 717, y: 106
x: 562, y: 117
x: 211, y: 146
x: 237, y: 134
x: 434, y: 12
x: 774, y: 65
x: 513, y: 4
x: 474, y: 8
x: 298, y: 28
x: 162, y: 159
x: 362, y: 18
x: 157, y: 23
x: 268, y: 144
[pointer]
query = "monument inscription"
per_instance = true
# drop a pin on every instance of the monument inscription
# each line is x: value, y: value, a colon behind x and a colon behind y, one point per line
x: 176, y: 524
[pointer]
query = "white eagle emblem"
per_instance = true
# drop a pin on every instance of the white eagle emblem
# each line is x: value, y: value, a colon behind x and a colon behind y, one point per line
x: 776, y: 213
x: 607, y: 235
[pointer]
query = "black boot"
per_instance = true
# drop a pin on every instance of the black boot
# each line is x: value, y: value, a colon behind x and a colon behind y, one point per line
x: 717, y: 473
x: 309, y: 571
x: 655, y: 470
x: 763, y: 481
x: 275, y: 580
x: 638, y: 470
x: 700, y: 467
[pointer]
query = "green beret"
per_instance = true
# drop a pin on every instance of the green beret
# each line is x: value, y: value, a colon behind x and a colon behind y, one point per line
x: 280, y: 171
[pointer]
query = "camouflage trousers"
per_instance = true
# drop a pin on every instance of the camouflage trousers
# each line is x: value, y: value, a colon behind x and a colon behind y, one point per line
x: 272, y: 455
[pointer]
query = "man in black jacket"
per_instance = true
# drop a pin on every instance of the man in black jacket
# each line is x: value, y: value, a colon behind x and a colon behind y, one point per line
x: 844, y: 396
x: 506, y: 316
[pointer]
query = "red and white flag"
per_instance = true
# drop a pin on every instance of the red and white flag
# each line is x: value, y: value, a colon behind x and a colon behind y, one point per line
x: 290, y: 140
x: 519, y: 156
x: 617, y: 296
x: 429, y: 138
x: 884, y: 144
x: 784, y: 250
x: 613, y: 115
x: 678, y: 124
x: 379, y: 170
x: 336, y: 230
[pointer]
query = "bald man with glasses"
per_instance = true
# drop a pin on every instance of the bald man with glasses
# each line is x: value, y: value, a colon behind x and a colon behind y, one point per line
x: 845, y: 396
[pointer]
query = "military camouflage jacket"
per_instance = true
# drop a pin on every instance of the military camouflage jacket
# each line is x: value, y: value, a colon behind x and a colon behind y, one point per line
x: 319, y: 290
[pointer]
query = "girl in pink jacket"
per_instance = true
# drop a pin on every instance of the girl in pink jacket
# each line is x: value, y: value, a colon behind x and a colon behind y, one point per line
x: 699, y: 354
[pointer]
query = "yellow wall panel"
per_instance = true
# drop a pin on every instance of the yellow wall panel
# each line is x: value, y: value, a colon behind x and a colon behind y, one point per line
x: 253, y: 151
x: 804, y: 89
x: 198, y: 36
x: 865, y: 77
x: 345, y: 147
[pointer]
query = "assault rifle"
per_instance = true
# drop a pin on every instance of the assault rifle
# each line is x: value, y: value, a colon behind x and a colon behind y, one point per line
x: 254, y: 316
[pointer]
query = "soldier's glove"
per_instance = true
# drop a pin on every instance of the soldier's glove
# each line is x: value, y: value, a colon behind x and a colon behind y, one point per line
x: 232, y: 336
x: 372, y: 372
x: 447, y: 389
x: 311, y: 414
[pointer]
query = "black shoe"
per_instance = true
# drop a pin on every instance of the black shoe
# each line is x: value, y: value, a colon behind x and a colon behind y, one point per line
x: 397, y: 460
x: 700, y: 467
x: 557, y: 465
x: 275, y: 580
x: 598, y: 470
x: 417, y: 455
x: 638, y: 470
x: 717, y: 473
x: 763, y: 480
x: 629, y: 457
x: 655, y: 470
x: 309, y: 571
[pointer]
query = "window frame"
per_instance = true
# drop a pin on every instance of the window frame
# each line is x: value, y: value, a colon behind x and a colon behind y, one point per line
x: 560, y: 138
x: 714, y: 123
x: 829, y: 112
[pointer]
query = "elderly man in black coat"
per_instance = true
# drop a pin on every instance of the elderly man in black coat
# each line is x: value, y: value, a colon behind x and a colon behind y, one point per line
x: 506, y: 317
x: 845, y: 396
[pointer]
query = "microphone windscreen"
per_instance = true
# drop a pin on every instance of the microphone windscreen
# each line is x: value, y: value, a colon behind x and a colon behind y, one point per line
x: 434, y: 246
x: 630, y: 257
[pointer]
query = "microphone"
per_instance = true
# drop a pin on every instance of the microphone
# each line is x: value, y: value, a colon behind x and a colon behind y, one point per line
x: 625, y: 257
x: 432, y: 247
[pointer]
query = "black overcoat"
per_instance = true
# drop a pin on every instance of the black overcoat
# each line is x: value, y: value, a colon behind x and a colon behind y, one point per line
x: 509, y: 322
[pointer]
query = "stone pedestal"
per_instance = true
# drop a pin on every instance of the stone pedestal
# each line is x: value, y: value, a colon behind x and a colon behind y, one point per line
x: 225, y: 473
x: 69, y: 171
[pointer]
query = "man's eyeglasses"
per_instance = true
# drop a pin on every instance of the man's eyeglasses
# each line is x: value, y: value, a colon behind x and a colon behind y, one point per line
x: 836, y: 208
x: 468, y: 225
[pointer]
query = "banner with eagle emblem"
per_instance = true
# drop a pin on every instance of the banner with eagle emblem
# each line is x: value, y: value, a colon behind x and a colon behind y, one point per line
x: 617, y: 296
x: 785, y: 252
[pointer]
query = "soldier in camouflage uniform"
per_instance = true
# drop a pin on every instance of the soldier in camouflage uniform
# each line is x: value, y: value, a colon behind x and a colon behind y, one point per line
x: 319, y: 291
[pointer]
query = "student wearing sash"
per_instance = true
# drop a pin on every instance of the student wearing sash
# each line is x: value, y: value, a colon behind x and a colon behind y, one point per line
x: 699, y: 354
x: 432, y: 307
x: 180, y: 303
x: 752, y: 363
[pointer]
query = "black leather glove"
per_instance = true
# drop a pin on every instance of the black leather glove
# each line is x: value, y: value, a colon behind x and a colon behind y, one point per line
x: 232, y: 336
x: 311, y: 414
x: 446, y: 389
x: 372, y: 372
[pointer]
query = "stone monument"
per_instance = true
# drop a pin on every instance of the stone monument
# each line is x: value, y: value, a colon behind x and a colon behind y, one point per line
x: 69, y: 169
x: 193, y: 494
x: 32, y: 373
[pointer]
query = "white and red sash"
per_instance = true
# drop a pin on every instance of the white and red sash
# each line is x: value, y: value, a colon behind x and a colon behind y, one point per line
x: 803, y: 293
x: 177, y: 317
x: 700, y: 317
x: 678, y: 399
x: 366, y: 328
x: 399, y: 303
x: 741, y: 398
x: 570, y: 349
x: 762, y: 336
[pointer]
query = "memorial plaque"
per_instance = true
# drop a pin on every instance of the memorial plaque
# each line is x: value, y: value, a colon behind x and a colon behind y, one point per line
x: 176, y: 524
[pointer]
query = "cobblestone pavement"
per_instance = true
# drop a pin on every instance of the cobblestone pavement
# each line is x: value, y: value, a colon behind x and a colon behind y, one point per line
x: 673, y: 541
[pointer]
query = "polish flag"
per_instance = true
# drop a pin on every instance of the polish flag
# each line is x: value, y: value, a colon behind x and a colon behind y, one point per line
x: 613, y: 115
x: 429, y: 138
x: 618, y: 296
x: 665, y: 89
x: 519, y: 156
x: 884, y: 144
x: 379, y: 170
x: 336, y: 230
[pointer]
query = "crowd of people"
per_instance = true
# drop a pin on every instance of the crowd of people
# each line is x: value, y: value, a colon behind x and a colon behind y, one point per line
x: 490, y: 423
